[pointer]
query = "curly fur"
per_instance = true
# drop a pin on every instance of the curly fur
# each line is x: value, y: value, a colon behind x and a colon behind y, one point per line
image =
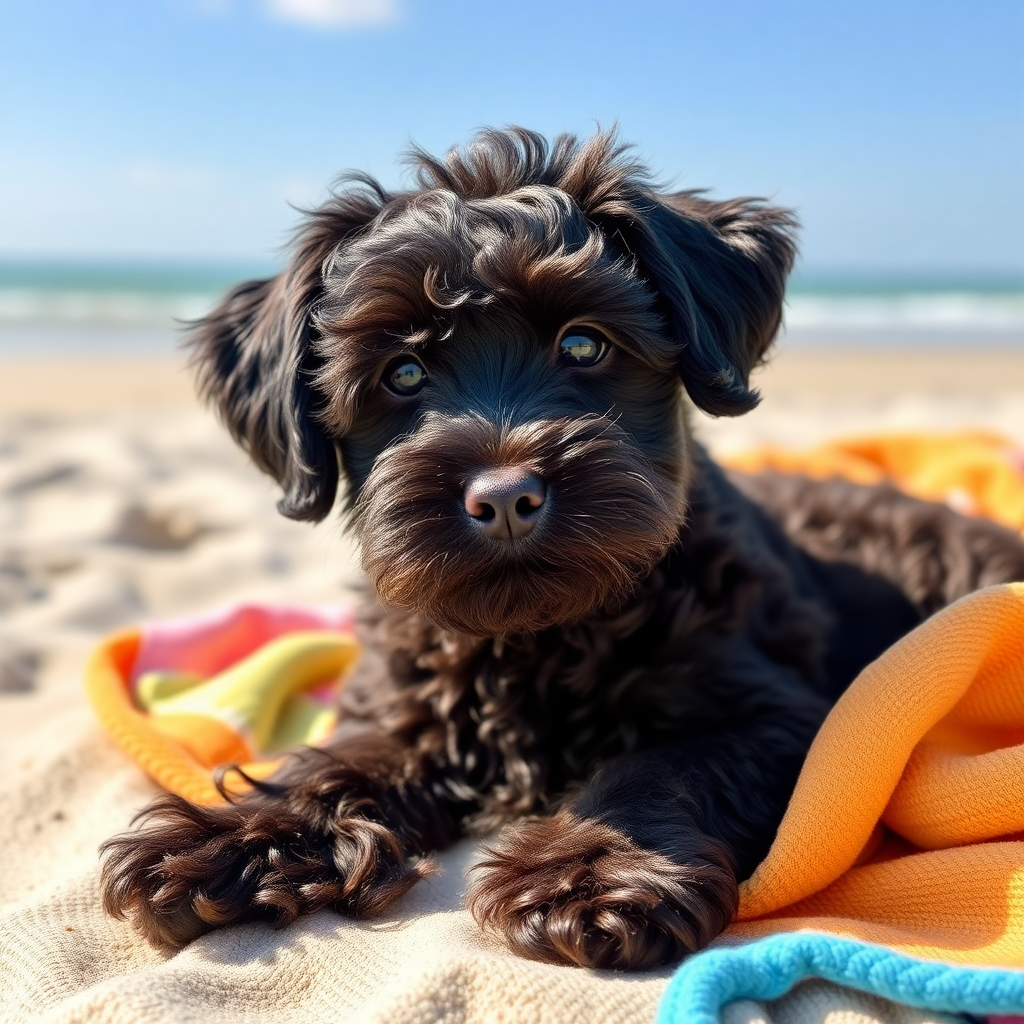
x: 630, y: 689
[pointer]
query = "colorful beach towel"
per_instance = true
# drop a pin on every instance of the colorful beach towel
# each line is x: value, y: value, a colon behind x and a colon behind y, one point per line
x: 231, y: 687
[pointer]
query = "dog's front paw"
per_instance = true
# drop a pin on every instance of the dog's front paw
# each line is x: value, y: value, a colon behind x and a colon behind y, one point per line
x: 568, y: 890
x: 189, y: 869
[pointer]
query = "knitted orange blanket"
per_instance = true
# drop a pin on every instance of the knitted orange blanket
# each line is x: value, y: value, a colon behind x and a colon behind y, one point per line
x: 907, y: 825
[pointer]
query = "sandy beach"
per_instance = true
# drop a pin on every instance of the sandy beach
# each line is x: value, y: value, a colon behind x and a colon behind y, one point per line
x: 122, y: 499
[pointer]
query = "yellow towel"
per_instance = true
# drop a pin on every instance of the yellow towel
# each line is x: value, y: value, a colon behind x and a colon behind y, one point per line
x: 180, y: 727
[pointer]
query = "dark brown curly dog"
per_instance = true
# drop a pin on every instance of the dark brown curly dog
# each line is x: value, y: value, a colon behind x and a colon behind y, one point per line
x: 585, y: 630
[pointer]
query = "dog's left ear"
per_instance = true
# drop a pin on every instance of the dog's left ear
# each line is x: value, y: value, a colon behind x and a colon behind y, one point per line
x: 720, y: 268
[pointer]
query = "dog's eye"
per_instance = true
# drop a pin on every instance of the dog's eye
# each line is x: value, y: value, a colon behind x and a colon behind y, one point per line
x: 404, y: 377
x: 582, y: 346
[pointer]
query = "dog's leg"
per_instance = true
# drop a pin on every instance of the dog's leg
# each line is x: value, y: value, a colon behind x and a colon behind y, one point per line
x: 337, y: 827
x: 640, y: 866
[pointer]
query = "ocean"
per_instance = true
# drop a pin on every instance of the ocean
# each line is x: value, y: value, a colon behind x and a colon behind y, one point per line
x: 52, y: 309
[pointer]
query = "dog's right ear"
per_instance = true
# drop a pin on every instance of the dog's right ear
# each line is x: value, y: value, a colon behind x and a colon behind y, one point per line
x: 257, y: 361
x: 720, y: 269
x: 256, y: 365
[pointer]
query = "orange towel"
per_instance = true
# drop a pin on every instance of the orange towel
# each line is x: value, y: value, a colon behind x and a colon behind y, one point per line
x: 907, y: 825
x: 974, y: 472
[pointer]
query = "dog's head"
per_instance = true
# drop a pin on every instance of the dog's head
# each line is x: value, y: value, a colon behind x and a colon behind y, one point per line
x: 495, y: 362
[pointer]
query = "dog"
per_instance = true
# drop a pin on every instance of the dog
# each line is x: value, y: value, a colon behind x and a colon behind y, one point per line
x: 578, y: 626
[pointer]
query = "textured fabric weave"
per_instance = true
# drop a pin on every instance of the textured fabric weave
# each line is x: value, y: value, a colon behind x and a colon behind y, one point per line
x: 768, y: 969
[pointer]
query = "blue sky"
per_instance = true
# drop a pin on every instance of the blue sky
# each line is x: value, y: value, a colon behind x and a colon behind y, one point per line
x: 181, y: 129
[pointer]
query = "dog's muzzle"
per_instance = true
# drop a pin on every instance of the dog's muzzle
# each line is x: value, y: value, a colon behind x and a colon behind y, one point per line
x: 492, y: 530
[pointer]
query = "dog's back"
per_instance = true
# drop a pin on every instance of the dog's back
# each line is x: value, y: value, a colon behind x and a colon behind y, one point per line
x: 883, y: 560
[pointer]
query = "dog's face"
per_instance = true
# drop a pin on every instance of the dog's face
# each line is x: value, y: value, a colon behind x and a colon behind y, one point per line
x: 497, y: 362
x: 509, y: 409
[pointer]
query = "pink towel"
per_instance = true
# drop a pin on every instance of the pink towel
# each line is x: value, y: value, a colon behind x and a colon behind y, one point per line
x: 208, y: 643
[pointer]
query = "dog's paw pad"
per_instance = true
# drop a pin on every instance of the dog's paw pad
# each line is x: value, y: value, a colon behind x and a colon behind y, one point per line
x: 568, y: 890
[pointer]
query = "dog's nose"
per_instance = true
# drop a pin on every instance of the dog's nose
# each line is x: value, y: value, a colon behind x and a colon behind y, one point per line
x: 506, y: 503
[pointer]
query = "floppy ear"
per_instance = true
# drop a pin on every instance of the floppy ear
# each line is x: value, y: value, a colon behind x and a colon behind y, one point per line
x: 257, y: 360
x: 256, y: 365
x: 721, y: 270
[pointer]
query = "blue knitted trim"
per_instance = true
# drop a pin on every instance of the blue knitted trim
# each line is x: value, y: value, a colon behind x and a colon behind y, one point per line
x: 770, y: 967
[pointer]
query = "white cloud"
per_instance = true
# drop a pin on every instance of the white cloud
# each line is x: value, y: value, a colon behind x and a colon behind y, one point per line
x: 335, y: 14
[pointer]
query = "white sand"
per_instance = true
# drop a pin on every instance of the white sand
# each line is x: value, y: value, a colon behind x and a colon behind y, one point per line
x: 122, y: 500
